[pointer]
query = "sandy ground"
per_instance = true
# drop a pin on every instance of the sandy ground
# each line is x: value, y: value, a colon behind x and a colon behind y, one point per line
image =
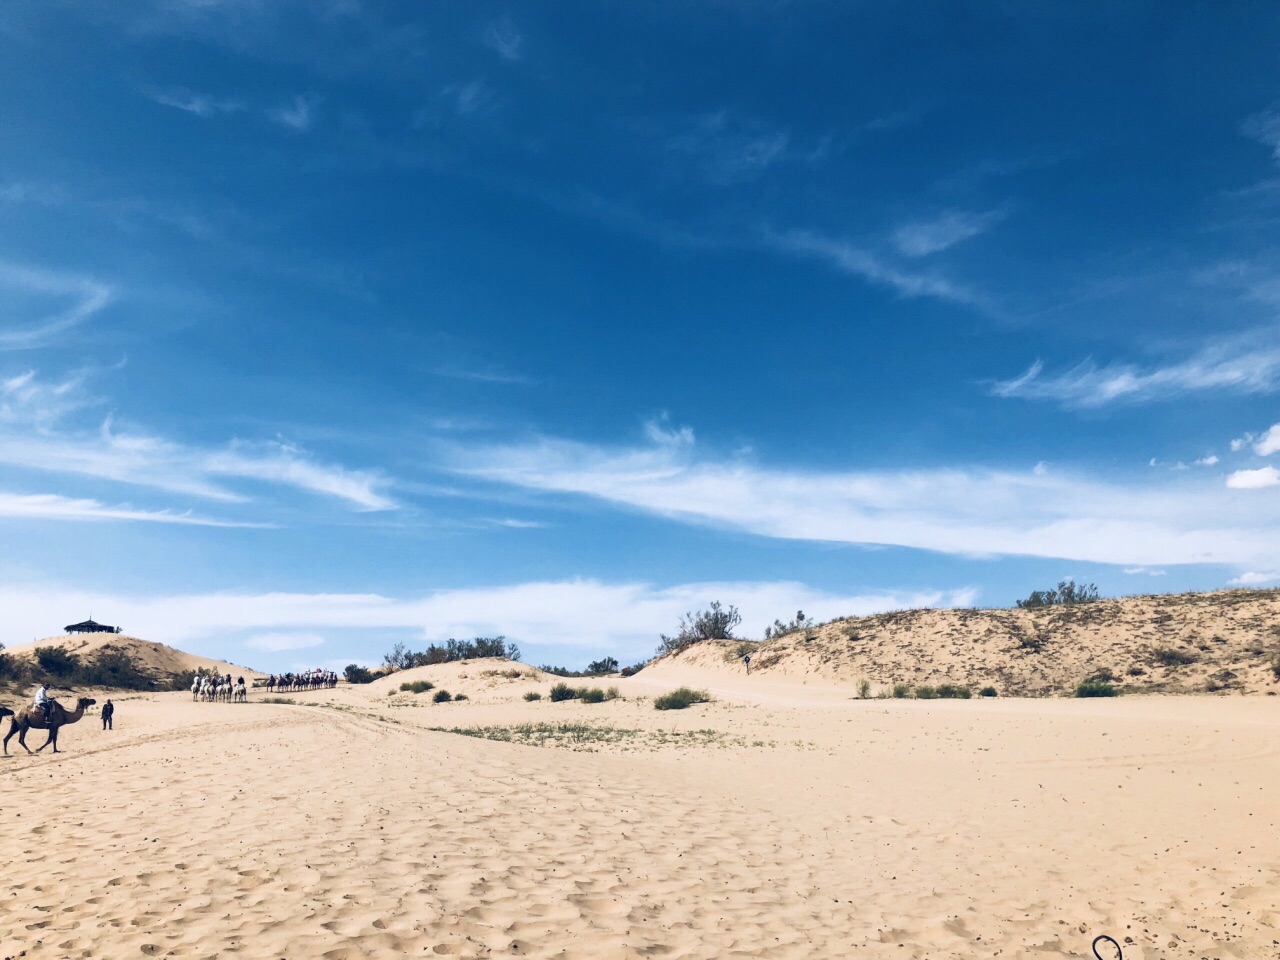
x: 780, y: 821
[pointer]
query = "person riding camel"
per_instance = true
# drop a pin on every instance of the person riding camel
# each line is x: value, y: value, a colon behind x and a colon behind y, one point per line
x: 44, y: 702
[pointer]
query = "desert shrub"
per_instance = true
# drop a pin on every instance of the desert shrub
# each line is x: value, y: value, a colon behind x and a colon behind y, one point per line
x: 401, y: 657
x: 561, y: 671
x: 715, y: 623
x: 11, y: 667
x: 680, y: 698
x: 602, y: 666
x: 1104, y: 674
x: 864, y: 689
x: 591, y: 695
x: 780, y: 629
x: 562, y: 691
x: 417, y: 686
x: 56, y: 661
x: 1067, y: 593
x: 635, y: 668
x: 113, y: 668
x: 926, y: 693
x: 1095, y: 688
x: 441, y: 696
x: 1135, y: 671
x: 532, y: 695
x: 613, y: 693
x: 1169, y: 657
x: 355, y: 673
x: 460, y: 696
x: 987, y: 692
x: 901, y: 691
x: 952, y: 691
x: 736, y: 651
x: 1275, y: 667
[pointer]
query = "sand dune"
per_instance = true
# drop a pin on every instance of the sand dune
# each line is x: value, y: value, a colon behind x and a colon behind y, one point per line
x: 1223, y: 642
x: 157, y: 659
x: 342, y: 825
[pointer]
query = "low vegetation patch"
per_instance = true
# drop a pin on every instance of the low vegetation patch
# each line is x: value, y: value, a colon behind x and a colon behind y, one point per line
x: 441, y: 696
x: 562, y: 691
x: 417, y: 686
x: 512, y: 674
x: 1170, y: 657
x: 277, y: 700
x: 680, y: 698
x: 901, y: 691
x: 987, y: 692
x: 1067, y: 593
x: 532, y: 695
x: 953, y: 691
x: 1095, y: 688
x: 402, y: 658
x: 926, y: 693
x: 589, y: 736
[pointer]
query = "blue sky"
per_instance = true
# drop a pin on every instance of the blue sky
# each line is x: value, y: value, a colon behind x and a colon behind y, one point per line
x: 326, y: 325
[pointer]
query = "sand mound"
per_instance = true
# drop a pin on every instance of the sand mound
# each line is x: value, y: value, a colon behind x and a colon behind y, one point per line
x: 1226, y: 641
x: 488, y: 679
x: 157, y: 659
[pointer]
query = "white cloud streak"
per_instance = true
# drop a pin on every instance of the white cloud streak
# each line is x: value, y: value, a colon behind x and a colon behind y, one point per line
x: 29, y: 412
x: 1179, y: 518
x: 859, y: 262
x: 505, y: 39
x: 297, y: 115
x: 49, y: 506
x: 951, y: 227
x: 197, y: 104
x: 19, y: 285
x: 1242, y: 365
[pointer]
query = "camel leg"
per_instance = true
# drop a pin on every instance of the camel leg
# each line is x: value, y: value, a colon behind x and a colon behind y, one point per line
x: 51, y: 738
x: 22, y: 738
x: 13, y: 728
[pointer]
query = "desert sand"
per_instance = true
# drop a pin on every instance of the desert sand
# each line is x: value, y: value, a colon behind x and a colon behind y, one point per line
x: 783, y: 820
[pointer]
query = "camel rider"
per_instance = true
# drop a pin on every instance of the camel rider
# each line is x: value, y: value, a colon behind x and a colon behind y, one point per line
x: 44, y: 702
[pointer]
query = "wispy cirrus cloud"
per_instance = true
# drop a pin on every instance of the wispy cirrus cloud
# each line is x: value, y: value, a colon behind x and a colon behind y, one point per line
x: 51, y: 506
x: 31, y: 437
x: 922, y: 238
x: 1241, y: 365
x: 504, y: 38
x: 297, y: 114
x: 197, y: 104
x: 57, y: 301
x: 728, y: 150
x: 1179, y: 518
x: 858, y: 261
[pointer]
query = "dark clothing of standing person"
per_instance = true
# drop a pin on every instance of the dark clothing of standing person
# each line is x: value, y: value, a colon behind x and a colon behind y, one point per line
x: 108, y: 711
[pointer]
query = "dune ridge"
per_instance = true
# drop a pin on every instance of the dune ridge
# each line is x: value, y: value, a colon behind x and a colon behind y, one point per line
x: 1220, y: 642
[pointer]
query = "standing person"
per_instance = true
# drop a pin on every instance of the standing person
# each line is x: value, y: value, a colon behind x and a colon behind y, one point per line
x: 108, y: 711
x: 747, y: 660
x: 43, y: 701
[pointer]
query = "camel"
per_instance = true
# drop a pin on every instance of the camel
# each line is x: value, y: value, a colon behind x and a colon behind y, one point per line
x: 32, y: 718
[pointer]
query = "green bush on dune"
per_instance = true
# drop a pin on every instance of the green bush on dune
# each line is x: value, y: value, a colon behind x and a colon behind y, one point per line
x: 532, y: 695
x: 680, y: 698
x: 987, y: 692
x: 441, y: 696
x: 1095, y: 688
x: 417, y: 686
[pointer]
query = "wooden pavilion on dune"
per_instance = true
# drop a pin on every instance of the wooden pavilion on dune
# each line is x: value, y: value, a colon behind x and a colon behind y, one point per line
x: 90, y: 626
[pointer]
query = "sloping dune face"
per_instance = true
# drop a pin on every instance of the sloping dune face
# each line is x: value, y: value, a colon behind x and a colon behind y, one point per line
x: 1224, y: 642
x: 156, y: 659
x: 343, y: 825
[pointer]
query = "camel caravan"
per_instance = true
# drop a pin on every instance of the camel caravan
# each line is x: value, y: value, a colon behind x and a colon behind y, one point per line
x: 297, y: 682
x: 218, y: 689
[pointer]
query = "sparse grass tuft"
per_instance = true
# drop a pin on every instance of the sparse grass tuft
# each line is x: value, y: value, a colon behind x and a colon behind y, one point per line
x: 926, y: 693
x: 680, y: 698
x: 417, y: 686
x: 953, y: 691
x: 460, y: 696
x: 613, y: 693
x: 901, y: 691
x: 441, y: 696
x: 277, y: 700
x: 864, y: 689
x: 532, y: 695
x: 591, y: 695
